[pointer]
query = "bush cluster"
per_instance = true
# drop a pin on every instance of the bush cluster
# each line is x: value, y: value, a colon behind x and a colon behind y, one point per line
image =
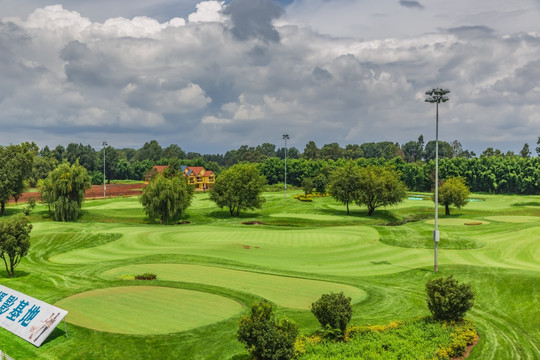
x: 264, y: 336
x: 334, y: 312
x: 146, y: 276
x: 463, y: 334
x: 447, y: 299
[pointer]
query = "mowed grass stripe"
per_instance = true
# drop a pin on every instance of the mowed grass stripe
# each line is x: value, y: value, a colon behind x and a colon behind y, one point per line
x: 285, y: 291
x: 349, y: 250
x: 146, y: 310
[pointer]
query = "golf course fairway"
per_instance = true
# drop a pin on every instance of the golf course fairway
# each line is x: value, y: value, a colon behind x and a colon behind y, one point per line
x: 212, y: 267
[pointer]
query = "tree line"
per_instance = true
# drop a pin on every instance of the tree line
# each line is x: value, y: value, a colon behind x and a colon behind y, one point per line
x: 493, y: 171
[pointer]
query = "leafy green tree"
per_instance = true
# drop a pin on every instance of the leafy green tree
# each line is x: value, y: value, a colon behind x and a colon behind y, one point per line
x: 150, y: 151
x: 333, y: 311
x: 331, y: 151
x: 239, y: 188
x: 412, y: 151
x: 490, y: 152
x: 266, y: 149
x: 41, y: 168
x: 538, y: 147
x: 311, y: 151
x: 14, y: 241
x: 58, y: 153
x: 264, y: 336
x: 85, y: 154
x: 454, y: 192
x: 69, y: 183
x: 345, y: 184
x: 379, y: 186
x: 445, y: 150
x: 111, y: 163
x: 166, y: 198
x: 353, y: 152
x: 173, y: 151
x: 292, y: 153
x: 45, y: 187
x: 15, y: 168
x: 448, y: 299
x: 307, y: 186
x: 319, y: 182
x: 525, y: 151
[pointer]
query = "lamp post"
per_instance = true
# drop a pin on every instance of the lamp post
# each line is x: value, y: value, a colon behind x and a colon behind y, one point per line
x: 286, y: 137
x: 104, y: 185
x: 436, y: 95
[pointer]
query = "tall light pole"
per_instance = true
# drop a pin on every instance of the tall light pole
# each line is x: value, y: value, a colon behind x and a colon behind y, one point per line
x: 104, y: 185
x: 436, y: 95
x: 286, y: 137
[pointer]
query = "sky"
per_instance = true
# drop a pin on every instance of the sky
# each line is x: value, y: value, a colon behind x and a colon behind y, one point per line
x: 211, y: 76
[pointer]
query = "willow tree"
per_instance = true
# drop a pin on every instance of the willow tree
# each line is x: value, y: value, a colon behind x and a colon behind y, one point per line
x: 166, y: 198
x: 69, y: 183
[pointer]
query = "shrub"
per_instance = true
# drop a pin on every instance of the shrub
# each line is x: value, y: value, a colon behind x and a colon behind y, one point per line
x: 462, y: 335
x: 266, y: 337
x: 146, y: 276
x: 447, y: 299
x: 333, y: 311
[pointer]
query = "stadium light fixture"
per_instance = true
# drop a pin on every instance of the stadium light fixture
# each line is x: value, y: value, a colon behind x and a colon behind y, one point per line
x: 436, y: 95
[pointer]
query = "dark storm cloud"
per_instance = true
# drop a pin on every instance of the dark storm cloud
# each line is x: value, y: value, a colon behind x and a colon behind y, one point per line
x: 192, y: 82
x: 472, y: 32
x: 411, y: 4
x: 253, y: 19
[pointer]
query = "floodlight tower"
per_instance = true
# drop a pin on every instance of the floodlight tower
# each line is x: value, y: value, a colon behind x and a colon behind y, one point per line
x: 104, y: 185
x: 285, y: 137
x: 436, y: 95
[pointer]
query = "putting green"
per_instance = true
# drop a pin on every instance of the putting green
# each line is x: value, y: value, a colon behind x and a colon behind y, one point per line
x: 145, y: 310
x: 285, y: 291
x: 514, y: 219
x: 458, y: 221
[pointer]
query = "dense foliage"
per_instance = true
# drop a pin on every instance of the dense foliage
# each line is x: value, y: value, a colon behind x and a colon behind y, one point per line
x: 345, y: 184
x: 454, y: 192
x: 448, y: 299
x: 166, y: 198
x: 493, y: 171
x: 379, y: 186
x: 14, y: 241
x: 15, y: 168
x: 334, y: 311
x: 239, y: 188
x: 264, y: 336
x: 68, y: 184
x: 417, y: 339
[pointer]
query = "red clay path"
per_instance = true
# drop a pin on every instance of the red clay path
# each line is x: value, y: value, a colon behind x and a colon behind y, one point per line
x: 96, y: 192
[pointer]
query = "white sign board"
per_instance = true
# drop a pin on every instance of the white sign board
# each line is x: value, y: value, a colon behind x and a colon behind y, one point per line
x: 29, y: 318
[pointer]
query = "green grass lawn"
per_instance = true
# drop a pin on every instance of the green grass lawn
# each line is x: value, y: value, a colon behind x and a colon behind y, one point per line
x: 210, y: 270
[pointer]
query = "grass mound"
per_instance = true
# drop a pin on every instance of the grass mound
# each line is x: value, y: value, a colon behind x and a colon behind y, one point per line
x: 159, y: 310
x: 514, y: 219
x: 272, y: 287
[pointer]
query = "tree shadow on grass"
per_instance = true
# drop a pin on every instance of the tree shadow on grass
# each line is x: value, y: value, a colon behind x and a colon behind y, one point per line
x: 240, y: 357
x: 18, y: 274
x: 225, y: 214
